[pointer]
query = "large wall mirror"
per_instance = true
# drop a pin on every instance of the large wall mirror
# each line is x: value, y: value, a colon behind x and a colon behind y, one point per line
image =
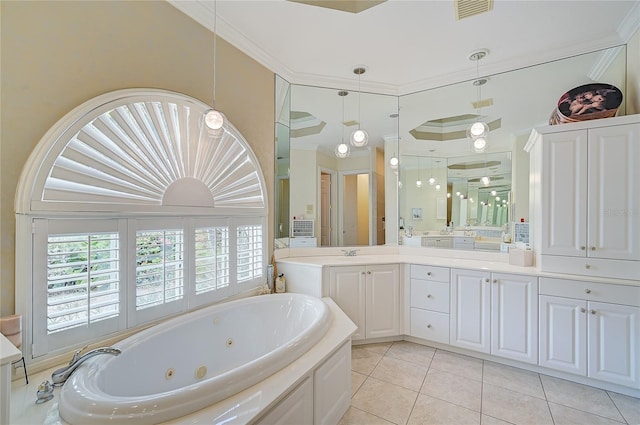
x: 426, y: 131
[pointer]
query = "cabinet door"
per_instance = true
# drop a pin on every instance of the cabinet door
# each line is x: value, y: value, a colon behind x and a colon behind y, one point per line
x: 563, y: 334
x: 470, y: 310
x: 295, y: 408
x: 564, y: 194
x: 382, y: 301
x: 614, y: 343
x: 614, y: 192
x: 347, y: 289
x: 514, y: 317
x: 332, y: 387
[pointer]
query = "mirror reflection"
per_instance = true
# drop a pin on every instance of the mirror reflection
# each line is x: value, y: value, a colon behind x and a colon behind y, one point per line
x: 458, y: 202
x: 431, y: 127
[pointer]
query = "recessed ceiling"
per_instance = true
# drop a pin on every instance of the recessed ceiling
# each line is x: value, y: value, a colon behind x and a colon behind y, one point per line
x: 353, y: 6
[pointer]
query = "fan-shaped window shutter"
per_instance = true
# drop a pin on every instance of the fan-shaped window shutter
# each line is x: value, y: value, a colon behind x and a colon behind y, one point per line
x: 142, y: 151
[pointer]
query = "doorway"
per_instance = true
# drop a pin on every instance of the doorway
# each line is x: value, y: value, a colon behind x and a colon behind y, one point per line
x: 356, y: 211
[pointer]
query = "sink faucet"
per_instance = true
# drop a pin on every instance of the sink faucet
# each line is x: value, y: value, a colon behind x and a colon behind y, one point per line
x: 60, y: 376
x: 350, y: 252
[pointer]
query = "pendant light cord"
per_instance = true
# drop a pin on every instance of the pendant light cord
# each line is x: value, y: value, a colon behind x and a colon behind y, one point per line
x: 215, y: 37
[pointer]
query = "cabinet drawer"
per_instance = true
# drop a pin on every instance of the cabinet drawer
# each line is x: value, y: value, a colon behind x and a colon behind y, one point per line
x: 592, y: 291
x: 438, y: 274
x: 430, y: 325
x: 430, y: 295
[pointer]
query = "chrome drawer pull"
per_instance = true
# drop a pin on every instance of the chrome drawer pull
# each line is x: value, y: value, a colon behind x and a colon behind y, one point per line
x: 593, y: 312
x: 428, y: 295
x: 588, y: 291
x: 428, y: 326
x: 593, y: 248
x: 428, y: 273
x: 583, y: 310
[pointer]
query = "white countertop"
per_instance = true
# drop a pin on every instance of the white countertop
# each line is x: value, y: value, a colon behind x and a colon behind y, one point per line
x: 474, y: 260
x: 8, y: 352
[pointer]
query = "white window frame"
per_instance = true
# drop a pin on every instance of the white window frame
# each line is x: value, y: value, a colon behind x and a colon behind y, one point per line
x: 43, y: 343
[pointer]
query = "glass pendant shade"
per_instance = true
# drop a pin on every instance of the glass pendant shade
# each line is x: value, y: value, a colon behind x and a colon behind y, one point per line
x: 359, y: 138
x: 393, y: 162
x: 342, y: 150
x: 214, y: 119
x: 477, y: 129
x: 418, y: 183
x: 479, y: 144
x: 432, y: 181
x: 485, y: 180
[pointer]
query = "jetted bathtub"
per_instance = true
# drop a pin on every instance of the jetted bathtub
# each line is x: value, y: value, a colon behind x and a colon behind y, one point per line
x: 193, y: 361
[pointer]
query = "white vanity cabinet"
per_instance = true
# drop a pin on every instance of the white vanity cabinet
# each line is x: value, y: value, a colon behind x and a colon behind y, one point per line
x: 495, y: 313
x: 370, y: 296
x: 591, y: 329
x: 470, y: 309
x: 586, y: 197
x: 429, y: 303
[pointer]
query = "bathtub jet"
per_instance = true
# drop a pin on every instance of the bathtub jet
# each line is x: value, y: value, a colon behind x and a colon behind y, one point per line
x: 193, y: 361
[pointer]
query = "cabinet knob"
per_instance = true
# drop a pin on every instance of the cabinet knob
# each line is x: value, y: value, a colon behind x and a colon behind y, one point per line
x: 428, y: 273
x: 593, y: 312
x: 428, y: 295
x: 362, y: 273
x: 369, y: 272
x: 429, y: 326
x: 495, y: 280
x: 593, y: 248
x: 486, y: 279
x: 588, y: 291
x: 582, y: 248
x: 583, y: 310
x: 587, y: 266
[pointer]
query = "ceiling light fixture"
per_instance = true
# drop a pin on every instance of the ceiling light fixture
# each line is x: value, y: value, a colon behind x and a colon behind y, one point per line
x: 359, y: 138
x: 342, y: 149
x: 478, y: 132
x: 213, y: 118
x: 393, y: 161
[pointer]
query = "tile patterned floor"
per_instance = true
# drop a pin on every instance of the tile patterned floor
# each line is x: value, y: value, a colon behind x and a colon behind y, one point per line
x: 407, y: 383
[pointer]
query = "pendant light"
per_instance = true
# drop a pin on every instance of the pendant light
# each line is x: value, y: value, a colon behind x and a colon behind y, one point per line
x: 213, y: 118
x: 342, y: 150
x: 393, y: 161
x: 478, y: 132
x: 359, y: 138
x: 419, y: 180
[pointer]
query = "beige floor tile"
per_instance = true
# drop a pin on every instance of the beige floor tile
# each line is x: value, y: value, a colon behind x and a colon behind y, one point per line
x: 563, y: 415
x: 455, y: 389
x: 385, y: 400
x: 513, y: 378
x: 429, y: 410
x: 356, y: 381
x: 514, y: 407
x: 411, y: 352
x: 457, y: 364
x: 379, y: 347
x: 363, y: 360
x: 628, y: 406
x: 490, y: 420
x: 358, y: 417
x: 399, y: 372
x: 581, y: 397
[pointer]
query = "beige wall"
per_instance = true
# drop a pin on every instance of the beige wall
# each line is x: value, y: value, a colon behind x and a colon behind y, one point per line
x: 56, y: 55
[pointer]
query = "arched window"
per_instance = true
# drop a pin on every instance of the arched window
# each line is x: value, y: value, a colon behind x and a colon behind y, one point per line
x: 130, y: 210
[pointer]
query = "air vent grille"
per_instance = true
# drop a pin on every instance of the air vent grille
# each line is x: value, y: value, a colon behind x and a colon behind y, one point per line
x: 466, y: 8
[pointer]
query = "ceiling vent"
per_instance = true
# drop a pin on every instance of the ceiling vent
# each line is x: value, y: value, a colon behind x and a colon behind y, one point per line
x: 466, y: 8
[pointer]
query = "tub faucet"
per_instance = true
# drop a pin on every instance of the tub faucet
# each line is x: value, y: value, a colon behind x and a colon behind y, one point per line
x: 60, y: 376
x: 350, y: 252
